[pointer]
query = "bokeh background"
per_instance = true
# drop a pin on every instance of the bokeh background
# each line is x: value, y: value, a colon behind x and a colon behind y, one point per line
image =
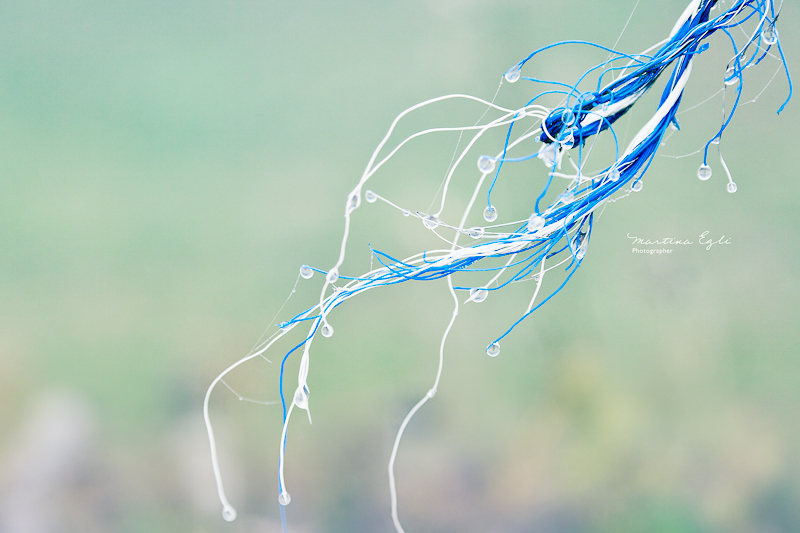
x: 166, y: 167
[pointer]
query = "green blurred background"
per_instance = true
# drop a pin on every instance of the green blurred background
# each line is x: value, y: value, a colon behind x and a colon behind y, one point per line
x: 166, y: 168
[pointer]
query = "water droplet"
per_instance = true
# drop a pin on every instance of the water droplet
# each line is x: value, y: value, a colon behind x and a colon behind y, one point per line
x: 478, y: 295
x: 431, y: 221
x: 493, y: 350
x: 512, y: 75
x: 730, y: 76
x: 566, y: 139
x: 582, y: 247
x: 715, y: 140
x: 486, y: 164
x: 370, y: 197
x: 406, y: 212
x: 475, y: 233
x: 568, y: 117
x: 306, y: 272
x: 732, y: 187
x: 568, y: 196
x: 704, y: 172
x: 613, y: 174
x: 283, y: 325
x: 770, y: 35
x: 637, y: 185
x: 228, y: 514
x: 284, y: 498
x: 490, y: 213
x: 332, y: 276
x: 535, y: 222
x: 537, y: 276
x: 327, y: 330
x: 353, y: 201
x: 301, y: 397
x: 547, y: 153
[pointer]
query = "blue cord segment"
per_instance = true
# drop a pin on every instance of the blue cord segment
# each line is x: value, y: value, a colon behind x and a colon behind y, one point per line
x: 561, y: 232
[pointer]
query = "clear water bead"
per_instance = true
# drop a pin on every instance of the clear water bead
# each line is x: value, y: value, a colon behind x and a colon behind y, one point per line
x: 284, y: 498
x: 475, y: 233
x: 730, y: 76
x: 613, y: 174
x: 485, y: 164
x: 535, y: 222
x: 637, y: 186
x: 493, y: 350
x: 353, y: 201
x: 584, y: 246
x: 301, y: 397
x: 431, y: 221
x: 567, y: 140
x: 406, y: 213
x: 327, y: 330
x: 732, y: 187
x: 228, y: 514
x: 478, y: 295
x: 547, y: 154
x: 704, y: 172
x: 568, y: 117
x: 512, y: 75
x: 770, y: 35
x: 333, y: 276
x: 490, y: 213
x: 306, y: 272
x: 370, y: 197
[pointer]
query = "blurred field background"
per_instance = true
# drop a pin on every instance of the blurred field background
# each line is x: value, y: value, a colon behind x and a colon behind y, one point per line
x: 166, y: 167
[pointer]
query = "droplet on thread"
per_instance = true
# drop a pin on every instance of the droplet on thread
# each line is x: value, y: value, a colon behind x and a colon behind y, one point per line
x: 547, y: 154
x: 568, y: 117
x: 493, y: 350
x: 284, y: 498
x: 770, y: 35
x: 353, y: 201
x: 512, y: 75
x: 333, y: 276
x: 704, y: 172
x: 613, y: 174
x: 475, y: 233
x: 306, y: 272
x: 567, y: 140
x: 490, y: 213
x: 406, y: 213
x: 478, y: 295
x: 732, y: 187
x: 486, y: 164
x: 730, y: 76
x: 327, y: 330
x: 637, y: 185
x: 228, y: 514
x: 535, y: 222
x: 301, y: 397
x: 583, y: 247
x: 370, y: 197
x: 431, y: 221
